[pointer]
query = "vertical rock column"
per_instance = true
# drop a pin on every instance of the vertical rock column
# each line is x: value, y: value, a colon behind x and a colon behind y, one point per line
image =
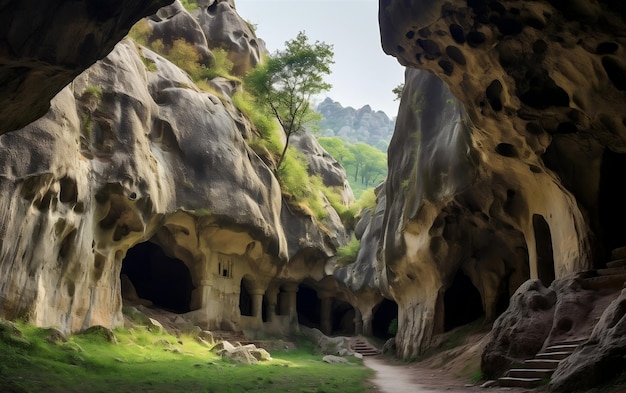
x: 257, y: 304
x: 291, y: 290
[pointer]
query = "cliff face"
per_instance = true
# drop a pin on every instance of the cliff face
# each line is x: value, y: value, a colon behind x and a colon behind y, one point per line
x: 505, y: 156
x: 44, y: 46
x: 137, y: 182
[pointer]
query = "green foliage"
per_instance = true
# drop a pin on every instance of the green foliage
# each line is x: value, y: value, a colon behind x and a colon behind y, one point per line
x: 398, y: 91
x: 296, y: 183
x: 265, y: 124
x: 185, y: 56
x: 365, y: 165
x: 393, y: 327
x: 348, y: 253
x: 189, y: 5
x: 367, y: 200
x: 141, y: 32
x: 222, y: 65
x: 286, y: 82
x: 93, y: 91
x: 150, y: 361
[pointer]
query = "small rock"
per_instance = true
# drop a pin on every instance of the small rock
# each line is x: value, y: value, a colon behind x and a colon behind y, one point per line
x: 332, y: 359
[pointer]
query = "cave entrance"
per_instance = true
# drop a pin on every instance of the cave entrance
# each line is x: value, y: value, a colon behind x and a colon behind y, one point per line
x: 462, y: 302
x: 308, y: 307
x: 382, y: 317
x: 245, y: 298
x: 611, y: 206
x: 545, y: 255
x: 343, y: 318
x: 163, y: 280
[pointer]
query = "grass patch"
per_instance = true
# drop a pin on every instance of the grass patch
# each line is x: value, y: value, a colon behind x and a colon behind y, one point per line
x: 348, y: 253
x: 149, y: 361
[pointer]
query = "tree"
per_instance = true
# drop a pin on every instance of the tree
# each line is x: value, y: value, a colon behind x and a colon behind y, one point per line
x: 286, y: 82
x: 398, y: 91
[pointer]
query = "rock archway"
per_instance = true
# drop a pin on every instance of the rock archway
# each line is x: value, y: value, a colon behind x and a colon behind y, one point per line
x: 462, y: 302
x: 545, y: 254
x: 157, y: 277
x: 308, y: 307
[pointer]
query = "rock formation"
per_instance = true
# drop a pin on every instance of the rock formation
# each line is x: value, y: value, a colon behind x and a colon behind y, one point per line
x: 44, y: 46
x: 505, y: 151
x: 137, y: 178
x: 355, y: 125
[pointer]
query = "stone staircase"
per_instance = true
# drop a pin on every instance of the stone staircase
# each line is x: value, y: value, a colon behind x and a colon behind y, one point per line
x: 362, y: 346
x: 536, y: 371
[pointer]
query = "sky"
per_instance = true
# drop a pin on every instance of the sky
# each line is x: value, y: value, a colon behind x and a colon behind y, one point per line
x: 362, y: 74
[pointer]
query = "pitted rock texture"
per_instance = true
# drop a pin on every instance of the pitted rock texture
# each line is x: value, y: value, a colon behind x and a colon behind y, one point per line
x: 133, y: 154
x: 502, y: 167
x: 569, y: 310
x: 599, y: 360
x: 41, y: 51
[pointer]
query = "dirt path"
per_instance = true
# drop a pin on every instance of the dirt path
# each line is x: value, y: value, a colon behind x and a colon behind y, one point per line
x: 392, y: 377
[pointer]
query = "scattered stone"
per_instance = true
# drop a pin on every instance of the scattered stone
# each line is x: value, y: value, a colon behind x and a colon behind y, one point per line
x: 332, y: 359
x: 104, y: 332
x: 154, y: 325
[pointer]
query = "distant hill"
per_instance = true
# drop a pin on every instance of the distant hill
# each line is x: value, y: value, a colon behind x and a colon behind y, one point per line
x: 356, y: 125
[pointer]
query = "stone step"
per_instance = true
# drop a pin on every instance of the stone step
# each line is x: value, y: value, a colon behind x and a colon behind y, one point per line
x: 602, y: 282
x: 553, y: 355
x: 560, y: 347
x: 512, y: 382
x: 618, y: 253
x: 542, y: 363
x: 530, y: 373
x: 611, y: 270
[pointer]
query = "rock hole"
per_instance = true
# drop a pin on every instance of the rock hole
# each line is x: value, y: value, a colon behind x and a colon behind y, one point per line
x: 606, y: 48
x: 98, y: 267
x: 71, y: 288
x: 67, y: 245
x: 611, y: 206
x: 566, y: 127
x: 457, y: 33
x: 508, y: 25
x: 430, y: 47
x: 535, y: 169
x: 616, y: 72
x: 540, y: 47
x: 446, y: 66
x: 543, y: 96
x: 564, y: 325
x: 506, y: 150
x: 245, y: 297
x: 493, y: 93
x: 424, y: 33
x: 400, y: 49
x: 69, y: 190
x: 456, y: 54
x: 534, y: 128
x: 212, y: 9
x: 475, y: 38
x: 410, y: 34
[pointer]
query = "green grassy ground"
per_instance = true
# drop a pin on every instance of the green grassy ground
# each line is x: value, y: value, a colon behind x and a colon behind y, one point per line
x: 143, y: 361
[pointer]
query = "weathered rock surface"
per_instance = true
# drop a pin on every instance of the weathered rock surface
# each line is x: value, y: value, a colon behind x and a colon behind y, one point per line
x: 505, y: 154
x: 131, y: 154
x: 41, y: 51
x: 602, y: 358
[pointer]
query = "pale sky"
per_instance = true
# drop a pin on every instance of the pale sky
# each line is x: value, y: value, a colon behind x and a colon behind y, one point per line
x: 362, y: 73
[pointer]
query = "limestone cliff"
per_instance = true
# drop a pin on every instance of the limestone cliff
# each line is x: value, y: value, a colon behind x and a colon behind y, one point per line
x: 507, y: 147
x: 138, y: 182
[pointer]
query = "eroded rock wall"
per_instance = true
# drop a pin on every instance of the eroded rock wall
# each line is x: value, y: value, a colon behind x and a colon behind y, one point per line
x: 132, y: 152
x: 498, y: 162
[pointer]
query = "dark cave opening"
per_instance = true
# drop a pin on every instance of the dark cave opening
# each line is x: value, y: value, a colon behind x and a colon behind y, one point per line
x: 384, y: 313
x: 308, y: 307
x: 545, y: 255
x: 343, y: 318
x: 163, y: 280
x: 245, y: 299
x: 611, y: 206
x: 462, y: 302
